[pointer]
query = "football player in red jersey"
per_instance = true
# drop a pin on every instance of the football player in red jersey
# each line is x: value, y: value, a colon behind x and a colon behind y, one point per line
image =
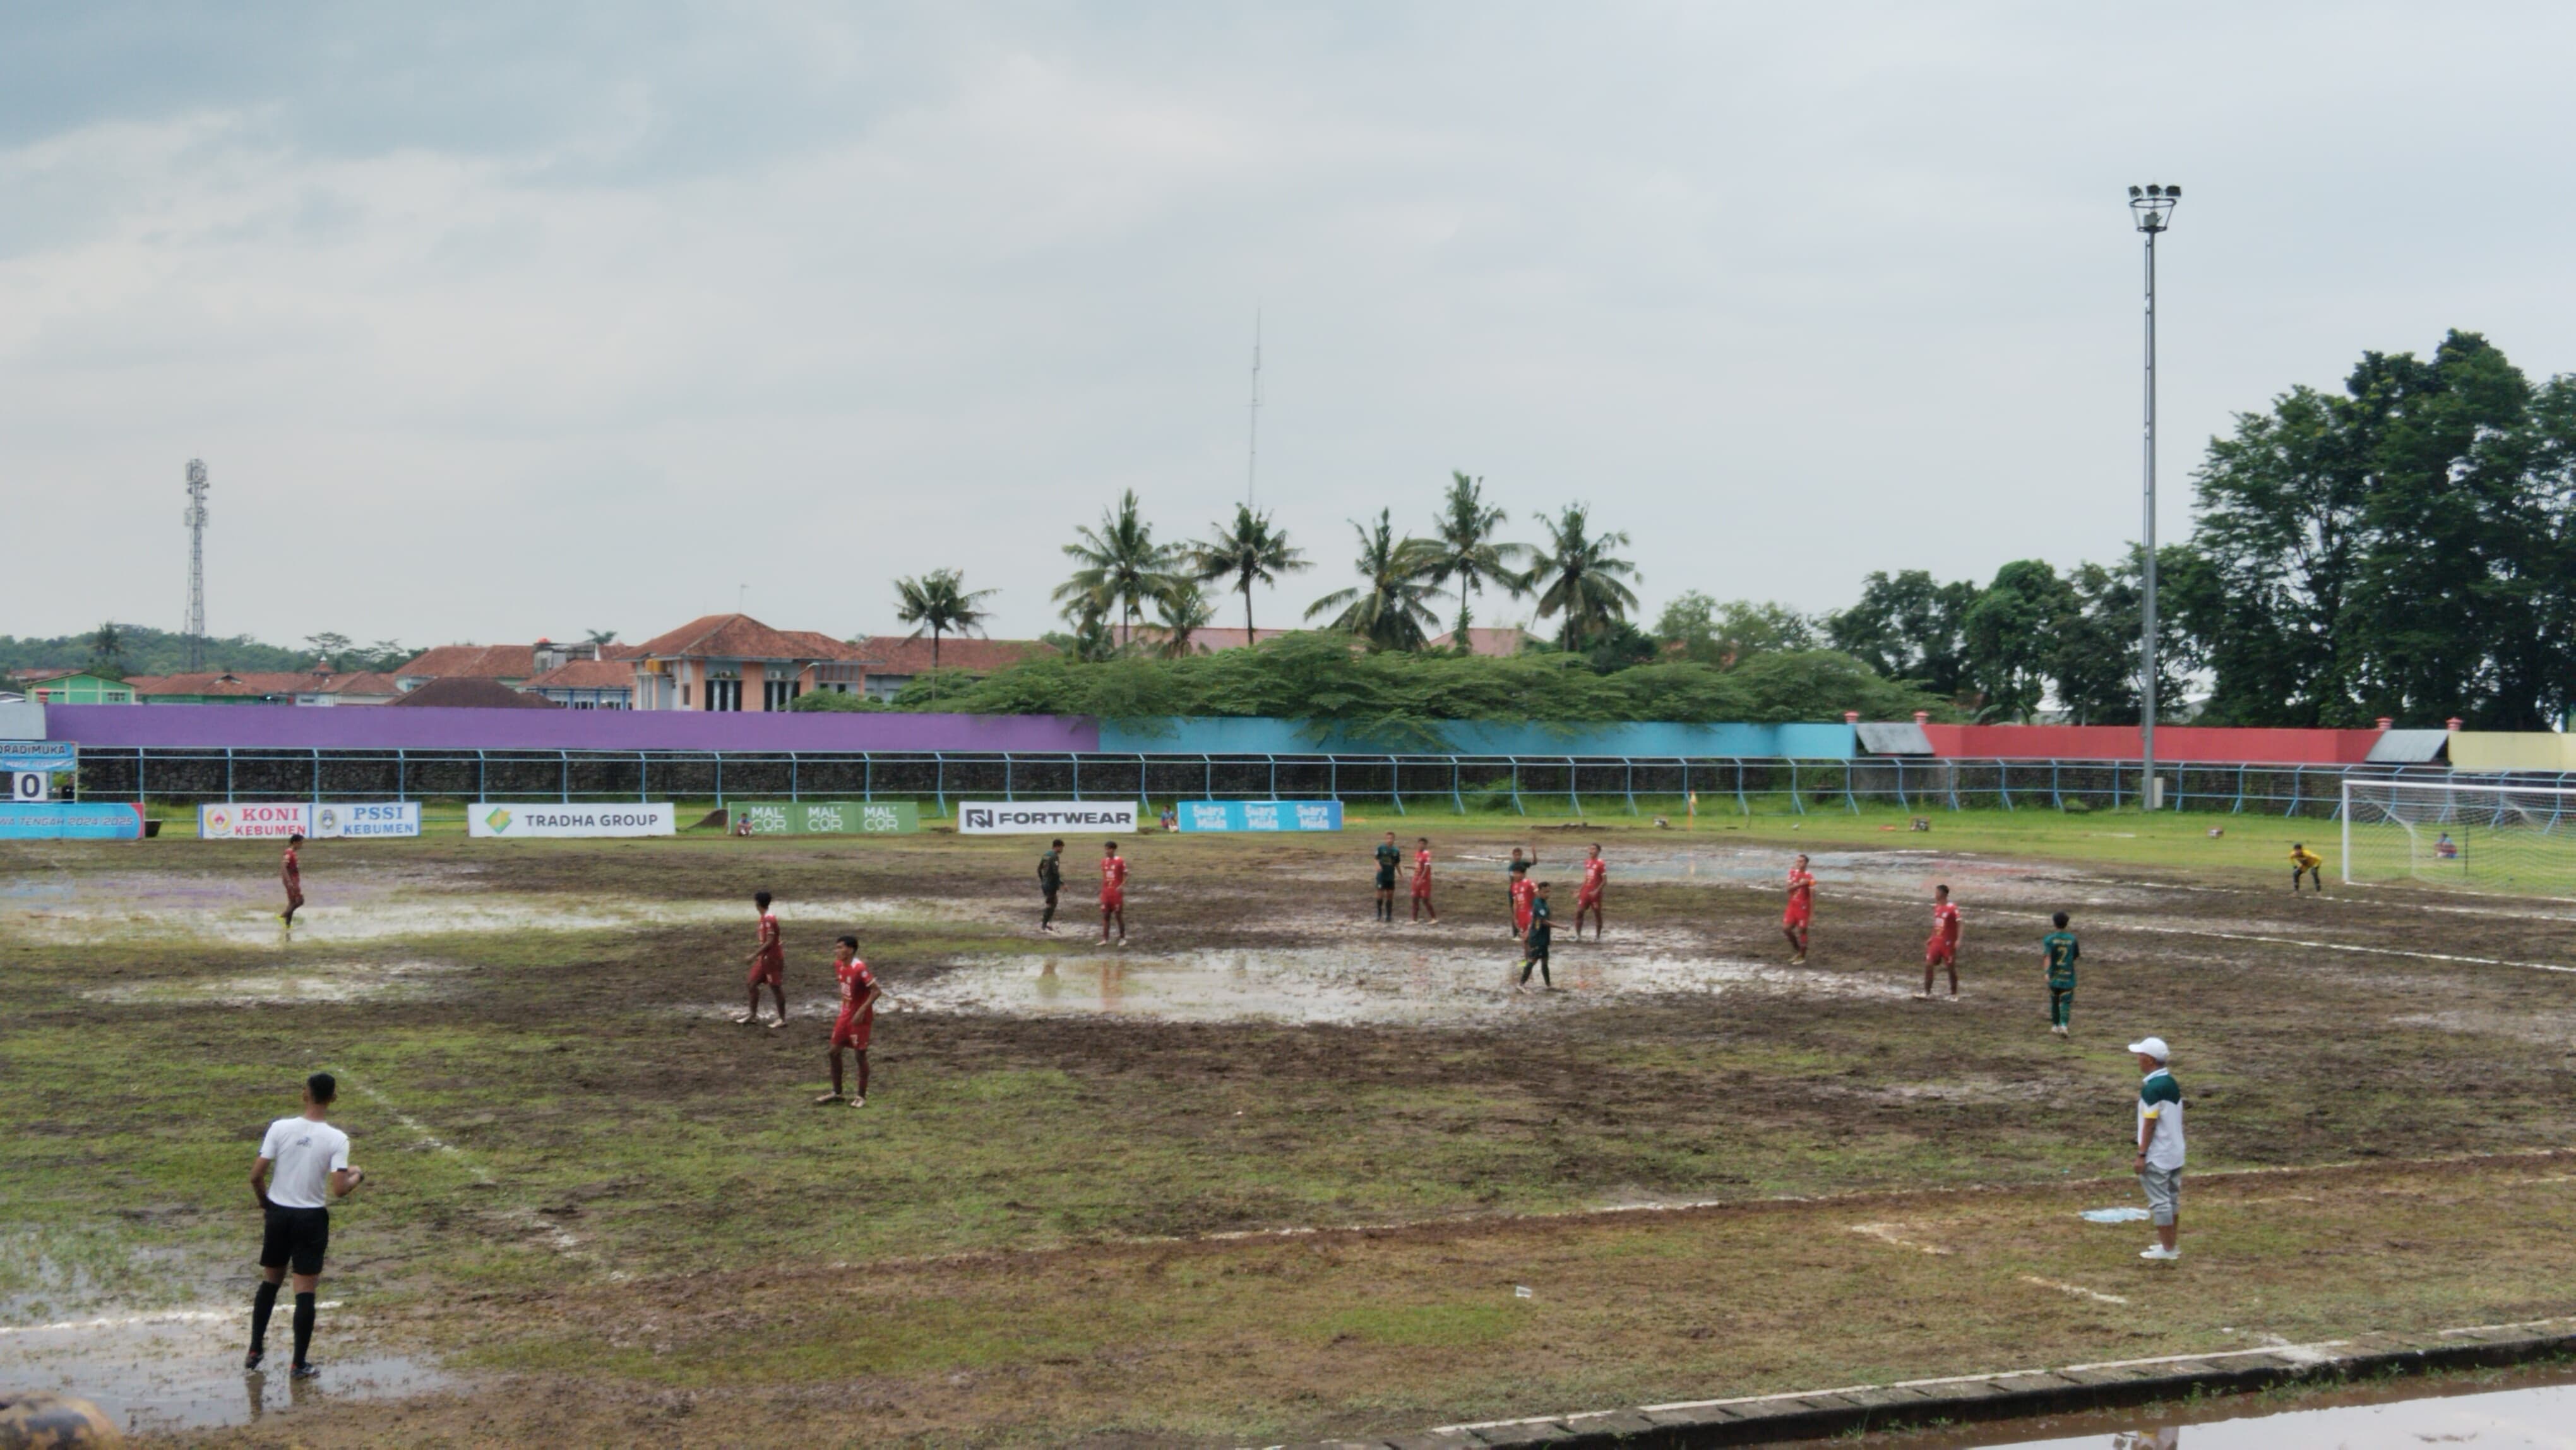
x: 1800, y: 910
x: 1587, y: 897
x: 1422, y: 879
x: 1113, y: 891
x: 858, y: 1019
x: 1943, y: 949
x: 768, y: 967
x: 290, y: 874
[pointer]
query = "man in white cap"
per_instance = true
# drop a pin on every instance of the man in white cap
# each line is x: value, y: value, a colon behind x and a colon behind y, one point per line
x: 2160, y: 1144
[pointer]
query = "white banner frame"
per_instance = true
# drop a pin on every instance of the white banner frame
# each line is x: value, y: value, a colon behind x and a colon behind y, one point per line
x: 254, y: 820
x: 1044, y: 818
x: 519, y: 820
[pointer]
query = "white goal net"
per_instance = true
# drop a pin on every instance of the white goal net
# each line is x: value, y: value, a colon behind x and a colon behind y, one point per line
x: 2509, y: 838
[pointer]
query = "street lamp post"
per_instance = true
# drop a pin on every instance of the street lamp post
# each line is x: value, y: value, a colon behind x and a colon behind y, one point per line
x: 2152, y: 206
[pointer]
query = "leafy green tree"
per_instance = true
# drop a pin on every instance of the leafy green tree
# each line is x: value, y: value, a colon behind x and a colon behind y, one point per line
x: 1122, y: 567
x: 601, y: 637
x: 1180, y: 613
x: 107, y: 651
x: 1388, y: 609
x: 1463, y: 547
x: 333, y: 647
x: 1906, y: 626
x: 939, y: 603
x: 1578, y: 580
x: 1251, y: 551
x: 2012, y: 635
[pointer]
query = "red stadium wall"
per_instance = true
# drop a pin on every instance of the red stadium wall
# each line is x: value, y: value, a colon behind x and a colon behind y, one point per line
x: 2215, y: 744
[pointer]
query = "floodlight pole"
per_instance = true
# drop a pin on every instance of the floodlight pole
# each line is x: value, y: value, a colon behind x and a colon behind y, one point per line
x: 2153, y: 208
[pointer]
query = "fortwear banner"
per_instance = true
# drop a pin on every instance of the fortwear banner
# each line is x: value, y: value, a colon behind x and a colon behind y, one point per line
x: 249, y: 820
x: 1261, y: 815
x: 827, y: 818
x: 1038, y: 818
x: 366, y: 818
x: 70, y: 820
x: 499, y: 819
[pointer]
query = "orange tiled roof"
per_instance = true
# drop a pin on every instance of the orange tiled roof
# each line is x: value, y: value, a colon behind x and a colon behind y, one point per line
x: 586, y: 675
x: 741, y: 637
x: 888, y: 654
x: 472, y: 661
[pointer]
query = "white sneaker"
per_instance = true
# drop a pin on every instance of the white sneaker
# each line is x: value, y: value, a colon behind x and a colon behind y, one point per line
x: 2161, y: 1254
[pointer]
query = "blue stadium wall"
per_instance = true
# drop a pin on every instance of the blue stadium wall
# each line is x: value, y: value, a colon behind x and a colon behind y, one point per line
x: 1236, y: 736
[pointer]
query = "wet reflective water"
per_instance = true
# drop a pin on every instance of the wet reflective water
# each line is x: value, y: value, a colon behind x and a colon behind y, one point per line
x: 183, y: 1367
x: 2542, y: 1417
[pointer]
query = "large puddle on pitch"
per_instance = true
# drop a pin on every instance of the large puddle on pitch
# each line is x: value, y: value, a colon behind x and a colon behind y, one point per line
x: 2535, y: 1416
x: 183, y: 1368
x: 1364, y: 983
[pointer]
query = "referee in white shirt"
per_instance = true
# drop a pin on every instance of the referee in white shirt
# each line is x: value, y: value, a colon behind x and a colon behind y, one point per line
x: 309, y: 1161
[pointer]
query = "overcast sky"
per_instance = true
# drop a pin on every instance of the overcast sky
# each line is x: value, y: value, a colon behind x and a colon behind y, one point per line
x: 494, y: 322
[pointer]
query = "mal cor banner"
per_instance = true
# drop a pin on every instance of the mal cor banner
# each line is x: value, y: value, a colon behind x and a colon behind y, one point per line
x: 70, y: 820
x: 512, y: 821
x: 1037, y: 818
x: 828, y: 818
x: 1261, y: 815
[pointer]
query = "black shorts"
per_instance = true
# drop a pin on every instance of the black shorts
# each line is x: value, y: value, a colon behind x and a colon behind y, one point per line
x: 1050, y: 893
x: 1386, y: 878
x: 295, y: 1239
x: 1536, y: 948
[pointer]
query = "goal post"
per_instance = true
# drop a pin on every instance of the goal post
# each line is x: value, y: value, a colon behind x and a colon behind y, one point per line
x: 2481, y: 835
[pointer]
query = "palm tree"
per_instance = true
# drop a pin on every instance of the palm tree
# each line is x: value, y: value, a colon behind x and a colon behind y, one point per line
x: 1388, y: 609
x: 939, y: 603
x: 1184, y: 610
x: 1250, y: 552
x: 1122, y: 567
x: 107, y: 649
x: 1576, y: 576
x: 1464, y: 548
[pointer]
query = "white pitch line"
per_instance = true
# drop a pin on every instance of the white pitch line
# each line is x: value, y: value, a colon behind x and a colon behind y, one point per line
x: 2328, y: 946
x: 2078, y: 1290
x: 165, y: 1316
x: 559, y: 1238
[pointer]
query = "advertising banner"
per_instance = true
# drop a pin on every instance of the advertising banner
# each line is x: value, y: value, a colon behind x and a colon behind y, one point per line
x: 18, y: 755
x: 70, y: 821
x: 497, y: 819
x: 251, y: 820
x: 827, y: 818
x: 343, y: 821
x: 1261, y: 815
x: 1038, y: 818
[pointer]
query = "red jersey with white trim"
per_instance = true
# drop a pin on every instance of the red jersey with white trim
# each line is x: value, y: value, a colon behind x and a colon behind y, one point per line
x: 294, y: 870
x: 1945, y: 922
x: 1595, y: 872
x: 856, y: 979
x: 1422, y: 872
x: 771, y: 948
x: 1524, y: 891
x: 1802, y: 889
x: 1113, y: 878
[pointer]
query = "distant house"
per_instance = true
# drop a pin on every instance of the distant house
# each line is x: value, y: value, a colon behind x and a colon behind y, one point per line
x: 891, y: 662
x: 511, y: 664
x: 222, y: 687
x: 465, y: 692
x: 1492, y: 643
x: 735, y: 662
x: 1149, y: 638
x: 588, y: 684
x: 72, y: 687
x: 366, y: 687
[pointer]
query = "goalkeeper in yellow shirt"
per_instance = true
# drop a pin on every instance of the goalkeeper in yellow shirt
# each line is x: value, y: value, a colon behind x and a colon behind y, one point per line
x: 2307, y: 863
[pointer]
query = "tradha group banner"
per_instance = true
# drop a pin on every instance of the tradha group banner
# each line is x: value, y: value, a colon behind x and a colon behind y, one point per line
x: 70, y: 820
x: 342, y: 821
x: 250, y: 820
x: 828, y: 818
x: 1037, y: 818
x: 498, y: 819
x: 1261, y: 815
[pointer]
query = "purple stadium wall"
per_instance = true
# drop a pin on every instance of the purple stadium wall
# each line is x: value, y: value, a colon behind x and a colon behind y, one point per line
x: 272, y: 727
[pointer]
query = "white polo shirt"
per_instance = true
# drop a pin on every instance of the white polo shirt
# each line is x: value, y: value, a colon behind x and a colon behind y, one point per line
x: 303, y: 1155
x: 2160, y: 1105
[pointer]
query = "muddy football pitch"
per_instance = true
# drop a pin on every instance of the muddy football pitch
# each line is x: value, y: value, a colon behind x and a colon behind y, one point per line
x: 1272, y: 1171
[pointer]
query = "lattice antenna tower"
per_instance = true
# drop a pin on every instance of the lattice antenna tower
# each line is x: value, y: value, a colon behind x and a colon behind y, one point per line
x: 1252, y: 460
x: 195, y: 519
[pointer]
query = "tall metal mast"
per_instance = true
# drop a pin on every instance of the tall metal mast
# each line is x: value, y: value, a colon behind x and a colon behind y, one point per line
x: 195, y: 519
x: 2153, y: 210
